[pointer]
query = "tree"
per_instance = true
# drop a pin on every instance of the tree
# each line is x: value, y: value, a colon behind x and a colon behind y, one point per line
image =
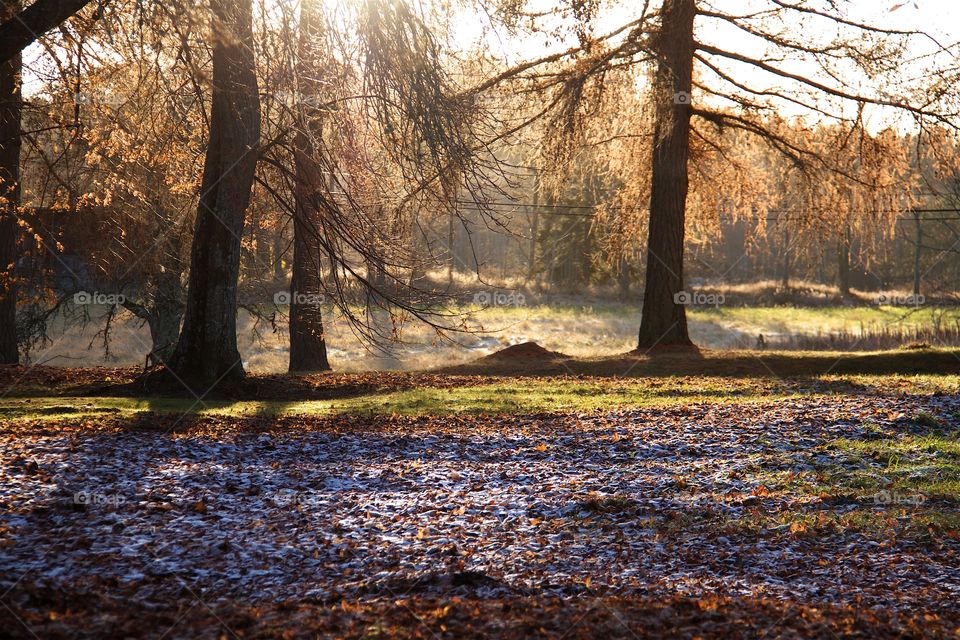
x: 308, y: 347
x: 664, y: 321
x: 206, y: 351
x: 10, y: 108
x: 701, y: 89
x: 377, y: 144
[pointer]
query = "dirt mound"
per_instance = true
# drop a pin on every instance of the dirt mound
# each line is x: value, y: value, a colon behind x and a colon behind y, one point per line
x: 523, y: 352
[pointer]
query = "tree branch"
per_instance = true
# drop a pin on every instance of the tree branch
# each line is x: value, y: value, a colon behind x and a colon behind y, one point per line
x: 28, y: 25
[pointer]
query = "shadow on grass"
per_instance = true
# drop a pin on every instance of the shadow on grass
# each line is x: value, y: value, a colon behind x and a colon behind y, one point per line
x: 762, y: 364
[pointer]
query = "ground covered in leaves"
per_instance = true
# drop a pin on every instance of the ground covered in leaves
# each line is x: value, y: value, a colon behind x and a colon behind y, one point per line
x: 795, y: 509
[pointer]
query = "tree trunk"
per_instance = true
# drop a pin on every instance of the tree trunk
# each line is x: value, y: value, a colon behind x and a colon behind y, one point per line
x: 843, y: 264
x: 663, y: 321
x: 785, y: 276
x: 308, y: 347
x: 917, y: 253
x: 451, y: 259
x: 534, y: 227
x: 10, y: 109
x: 207, y: 351
x: 276, y: 256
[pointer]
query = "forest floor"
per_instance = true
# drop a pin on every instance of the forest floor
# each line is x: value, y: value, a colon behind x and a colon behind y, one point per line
x: 682, y: 495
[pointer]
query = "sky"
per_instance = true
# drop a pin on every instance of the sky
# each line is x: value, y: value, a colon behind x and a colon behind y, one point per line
x: 939, y: 18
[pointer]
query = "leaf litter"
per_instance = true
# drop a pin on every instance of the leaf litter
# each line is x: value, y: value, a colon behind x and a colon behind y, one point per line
x: 528, y: 509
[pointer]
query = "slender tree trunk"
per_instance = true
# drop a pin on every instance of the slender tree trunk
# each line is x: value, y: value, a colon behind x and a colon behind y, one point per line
x: 452, y: 259
x: 663, y: 321
x: 10, y: 108
x: 917, y: 253
x: 276, y: 256
x: 207, y: 351
x: 308, y: 346
x: 534, y: 227
x: 843, y: 264
x: 785, y: 280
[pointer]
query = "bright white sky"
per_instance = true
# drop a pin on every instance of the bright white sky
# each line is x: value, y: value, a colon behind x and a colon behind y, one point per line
x: 939, y: 18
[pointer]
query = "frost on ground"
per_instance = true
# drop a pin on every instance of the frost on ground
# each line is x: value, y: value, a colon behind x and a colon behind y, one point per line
x: 657, y: 502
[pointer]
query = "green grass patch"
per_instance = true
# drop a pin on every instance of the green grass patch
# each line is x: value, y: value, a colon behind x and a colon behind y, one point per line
x: 522, y: 397
x: 527, y: 395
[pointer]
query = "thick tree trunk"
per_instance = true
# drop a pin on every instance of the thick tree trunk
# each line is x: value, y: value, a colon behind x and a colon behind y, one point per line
x: 308, y: 347
x: 165, y: 310
x: 663, y: 321
x: 9, y: 197
x: 207, y: 351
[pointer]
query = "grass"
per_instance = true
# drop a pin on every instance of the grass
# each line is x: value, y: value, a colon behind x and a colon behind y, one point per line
x: 580, y: 327
x: 532, y: 396
x: 528, y: 395
x: 905, y: 469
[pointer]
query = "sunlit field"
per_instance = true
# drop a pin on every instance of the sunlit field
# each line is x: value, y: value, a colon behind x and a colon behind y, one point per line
x: 597, y: 329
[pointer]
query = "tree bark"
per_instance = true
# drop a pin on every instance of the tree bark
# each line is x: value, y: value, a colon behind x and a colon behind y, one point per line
x: 308, y: 347
x: 663, y: 321
x: 207, y: 351
x: 10, y: 109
